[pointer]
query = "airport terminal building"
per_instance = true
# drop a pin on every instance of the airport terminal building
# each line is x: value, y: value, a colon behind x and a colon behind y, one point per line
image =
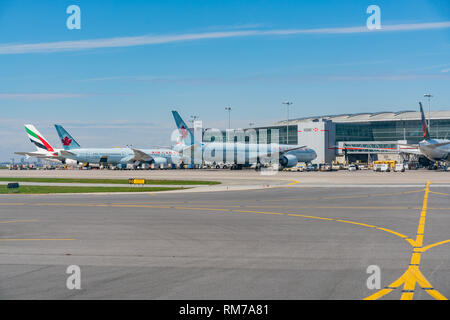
x: 336, y: 137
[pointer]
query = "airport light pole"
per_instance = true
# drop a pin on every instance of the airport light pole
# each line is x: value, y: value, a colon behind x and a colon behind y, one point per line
x: 193, y: 118
x: 229, y: 117
x: 287, y: 103
x: 429, y: 96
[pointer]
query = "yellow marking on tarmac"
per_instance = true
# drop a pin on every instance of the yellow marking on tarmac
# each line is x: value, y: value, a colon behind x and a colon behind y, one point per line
x: 264, y: 212
x: 217, y: 209
x: 14, y: 221
x: 434, y: 245
x: 410, y: 241
x: 393, y: 232
x: 268, y: 200
x: 65, y: 204
x: 413, y: 191
x: 158, y: 205
x: 311, y: 217
x: 360, y: 207
x: 386, y: 290
x: 136, y: 206
x: 441, y: 193
x: 293, y: 182
x: 413, y: 274
x: 371, y: 195
x: 34, y: 239
x: 152, y: 202
x: 341, y: 207
x: 361, y: 224
x: 224, y: 206
x: 205, y: 209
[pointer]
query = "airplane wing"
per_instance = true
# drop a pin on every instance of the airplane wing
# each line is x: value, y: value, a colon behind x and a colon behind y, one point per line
x: 141, y: 156
x: 66, y: 153
x: 361, y: 148
x: 29, y: 154
x: 409, y: 148
x: 40, y: 156
x: 437, y: 145
x: 34, y: 154
x: 291, y: 149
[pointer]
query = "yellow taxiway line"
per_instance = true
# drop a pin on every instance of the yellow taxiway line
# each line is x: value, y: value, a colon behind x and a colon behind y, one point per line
x: 409, y: 278
x: 16, y: 221
x: 36, y: 239
x: 413, y: 275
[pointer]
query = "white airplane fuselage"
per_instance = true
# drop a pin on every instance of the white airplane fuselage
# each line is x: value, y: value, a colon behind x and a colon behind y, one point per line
x: 119, y: 155
x: 435, y: 153
x: 249, y: 153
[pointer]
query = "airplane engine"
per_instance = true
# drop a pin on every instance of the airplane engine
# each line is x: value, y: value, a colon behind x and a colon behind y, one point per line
x: 288, y: 161
x: 71, y: 162
x: 126, y: 160
x: 158, y: 161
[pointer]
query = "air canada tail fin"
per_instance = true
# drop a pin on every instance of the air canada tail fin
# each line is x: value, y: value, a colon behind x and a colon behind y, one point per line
x: 426, y: 132
x: 66, y: 139
x: 186, y: 136
x: 42, y: 145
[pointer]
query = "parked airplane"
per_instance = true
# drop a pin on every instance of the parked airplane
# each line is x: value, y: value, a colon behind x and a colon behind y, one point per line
x: 250, y: 153
x: 114, y: 156
x: 433, y: 149
x: 44, y: 150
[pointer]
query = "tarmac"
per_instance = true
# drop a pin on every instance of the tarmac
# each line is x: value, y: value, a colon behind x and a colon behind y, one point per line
x: 300, y: 235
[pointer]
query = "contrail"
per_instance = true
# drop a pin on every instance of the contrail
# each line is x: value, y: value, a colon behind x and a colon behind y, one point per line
x: 61, y: 46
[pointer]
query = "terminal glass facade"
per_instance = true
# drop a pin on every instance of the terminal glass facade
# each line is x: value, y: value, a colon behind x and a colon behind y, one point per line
x: 410, y: 130
x: 267, y: 131
x: 293, y: 135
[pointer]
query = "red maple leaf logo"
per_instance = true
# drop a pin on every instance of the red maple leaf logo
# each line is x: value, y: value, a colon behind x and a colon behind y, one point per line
x: 183, y: 131
x: 66, y: 141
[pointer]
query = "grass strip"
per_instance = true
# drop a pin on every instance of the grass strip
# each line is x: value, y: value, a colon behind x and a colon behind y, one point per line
x: 110, y: 181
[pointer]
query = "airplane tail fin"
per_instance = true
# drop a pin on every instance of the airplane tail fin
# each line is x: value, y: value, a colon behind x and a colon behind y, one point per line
x: 426, y: 132
x: 66, y: 139
x: 186, y: 136
x: 42, y: 145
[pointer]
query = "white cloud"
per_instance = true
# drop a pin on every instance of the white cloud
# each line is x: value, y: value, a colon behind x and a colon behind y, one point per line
x: 160, y: 39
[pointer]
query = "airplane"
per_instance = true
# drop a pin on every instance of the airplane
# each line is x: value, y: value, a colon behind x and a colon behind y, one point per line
x: 114, y: 156
x: 434, y: 149
x: 44, y: 149
x: 251, y: 153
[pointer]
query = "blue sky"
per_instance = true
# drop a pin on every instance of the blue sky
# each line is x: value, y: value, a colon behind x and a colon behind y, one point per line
x: 115, y: 81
